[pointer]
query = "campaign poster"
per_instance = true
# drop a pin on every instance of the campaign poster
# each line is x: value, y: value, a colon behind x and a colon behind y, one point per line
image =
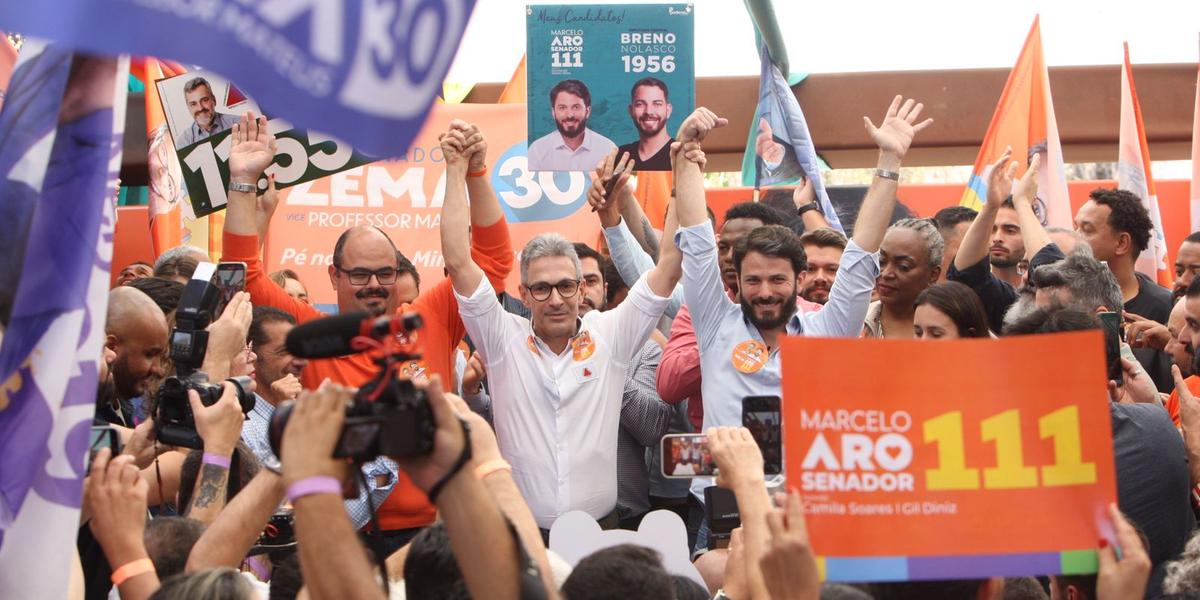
x: 201, y: 109
x: 999, y: 464
x: 403, y: 196
x: 605, y: 76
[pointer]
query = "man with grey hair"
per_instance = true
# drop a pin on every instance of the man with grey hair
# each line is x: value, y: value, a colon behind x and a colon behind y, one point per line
x: 202, y: 104
x: 556, y: 378
x: 178, y: 263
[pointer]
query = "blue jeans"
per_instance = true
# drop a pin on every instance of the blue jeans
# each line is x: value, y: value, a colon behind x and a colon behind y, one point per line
x: 697, y: 525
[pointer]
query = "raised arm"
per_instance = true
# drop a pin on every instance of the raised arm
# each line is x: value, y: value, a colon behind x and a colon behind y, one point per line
x: 975, y: 242
x: 806, y: 195
x: 689, y: 174
x: 265, y: 209
x: 455, y: 226
x: 228, y: 539
x: 893, y: 136
x: 1024, y: 191
x: 666, y: 274
x: 220, y: 426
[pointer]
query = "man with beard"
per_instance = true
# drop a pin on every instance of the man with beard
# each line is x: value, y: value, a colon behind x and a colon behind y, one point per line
x: 1187, y: 263
x: 365, y: 276
x: 202, y: 104
x: 823, y: 248
x: 650, y: 109
x: 572, y: 146
x: 556, y: 380
x: 593, y: 289
x: 136, y: 331
x: 739, y: 342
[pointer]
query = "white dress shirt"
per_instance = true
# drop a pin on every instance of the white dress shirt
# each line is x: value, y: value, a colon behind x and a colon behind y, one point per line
x: 557, y: 415
x: 551, y: 153
x: 735, y: 361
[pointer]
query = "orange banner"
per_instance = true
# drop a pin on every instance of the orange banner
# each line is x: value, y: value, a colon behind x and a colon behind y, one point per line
x: 913, y: 466
x: 404, y: 198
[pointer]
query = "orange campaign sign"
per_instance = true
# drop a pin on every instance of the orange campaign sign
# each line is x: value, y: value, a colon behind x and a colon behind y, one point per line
x: 912, y: 466
x: 404, y: 198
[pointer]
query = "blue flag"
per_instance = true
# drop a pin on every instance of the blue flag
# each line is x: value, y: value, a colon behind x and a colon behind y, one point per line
x: 65, y: 175
x: 366, y: 71
x: 782, y: 147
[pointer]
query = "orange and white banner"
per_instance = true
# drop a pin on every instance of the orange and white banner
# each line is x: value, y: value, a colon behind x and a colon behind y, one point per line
x: 1133, y: 175
x: 404, y: 198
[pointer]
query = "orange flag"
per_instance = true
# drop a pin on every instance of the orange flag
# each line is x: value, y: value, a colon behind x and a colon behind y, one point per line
x: 1133, y: 175
x: 1024, y: 119
x: 514, y: 92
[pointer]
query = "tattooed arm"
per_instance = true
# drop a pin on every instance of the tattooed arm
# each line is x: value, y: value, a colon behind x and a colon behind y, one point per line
x: 220, y: 426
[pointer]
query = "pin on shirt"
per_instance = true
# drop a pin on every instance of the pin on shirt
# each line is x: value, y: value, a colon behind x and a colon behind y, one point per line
x: 749, y: 356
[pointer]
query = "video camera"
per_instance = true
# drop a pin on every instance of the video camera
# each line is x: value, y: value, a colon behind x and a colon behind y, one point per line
x: 199, y: 305
x: 388, y: 416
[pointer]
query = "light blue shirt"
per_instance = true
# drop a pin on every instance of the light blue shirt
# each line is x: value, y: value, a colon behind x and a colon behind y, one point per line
x: 256, y: 434
x: 632, y: 261
x: 193, y: 133
x: 551, y: 153
x: 721, y: 325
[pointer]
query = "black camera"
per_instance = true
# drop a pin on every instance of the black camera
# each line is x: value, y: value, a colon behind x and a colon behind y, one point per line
x: 389, y: 415
x: 174, y: 423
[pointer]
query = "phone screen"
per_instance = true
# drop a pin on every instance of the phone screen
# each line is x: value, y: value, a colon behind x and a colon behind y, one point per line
x: 1112, y: 346
x: 102, y: 436
x: 230, y: 279
x: 760, y: 414
x: 686, y: 455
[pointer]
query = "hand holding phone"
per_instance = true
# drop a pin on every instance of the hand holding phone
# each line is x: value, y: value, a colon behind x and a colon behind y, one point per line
x: 230, y: 279
x: 102, y: 436
x: 686, y: 455
x: 760, y: 414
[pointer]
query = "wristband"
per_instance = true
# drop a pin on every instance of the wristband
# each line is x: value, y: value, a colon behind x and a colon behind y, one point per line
x: 132, y: 569
x: 491, y: 466
x: 463, y: 459
x: 807, y: 207
x: 884, y: 173
x: 216, y: 460
x: 246, y: 188
x: 479, y: 173
x: 319, y: 484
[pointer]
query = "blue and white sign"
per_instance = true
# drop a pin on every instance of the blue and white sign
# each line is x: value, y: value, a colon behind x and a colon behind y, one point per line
x: 366, y: 71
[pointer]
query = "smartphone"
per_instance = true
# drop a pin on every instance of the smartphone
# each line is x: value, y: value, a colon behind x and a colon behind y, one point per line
x: 103, y: 436
x: 686, y: 455
x: 230, y: 279
x: 1112, y: 346
x: 721, y: 509
x: 760, y: 414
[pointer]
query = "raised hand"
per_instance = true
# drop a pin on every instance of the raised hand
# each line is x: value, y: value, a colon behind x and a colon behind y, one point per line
x: 287, y: 387
x: 476, y: 148
x: 739, y: 461
x: 1025, y: 189
x: 227, y: 335
x: 1000, y: 179
x: 804, y: 194
x: 690, y: 151
x: 895, y: 134
x: 1126, y: 577
x: 772, y: 152
x: 220, y: 424
x: 472, y: 381
x: 609, y: 180
x: 454, y: 145
x: 698, y: 124
x: 789, y: 568
x: 115, y: 495
x: 252, y: 149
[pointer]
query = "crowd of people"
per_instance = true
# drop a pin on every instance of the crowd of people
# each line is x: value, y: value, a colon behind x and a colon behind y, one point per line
x: 556, y: 399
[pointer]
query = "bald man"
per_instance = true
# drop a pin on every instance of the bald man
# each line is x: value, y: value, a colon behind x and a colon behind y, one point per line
x: 136, y: 331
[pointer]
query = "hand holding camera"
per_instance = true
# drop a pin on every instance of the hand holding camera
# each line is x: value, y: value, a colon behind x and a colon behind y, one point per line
x: 449, y: 442
x: 219, y: 424
x: 312, y: 432
x: 115, y: 495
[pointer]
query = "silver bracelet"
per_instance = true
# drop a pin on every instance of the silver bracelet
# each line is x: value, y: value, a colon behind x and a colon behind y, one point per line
x: 246, y: 188
x: 893, y: 175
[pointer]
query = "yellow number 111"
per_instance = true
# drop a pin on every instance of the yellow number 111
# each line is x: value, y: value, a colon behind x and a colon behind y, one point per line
x: 1010, y: 472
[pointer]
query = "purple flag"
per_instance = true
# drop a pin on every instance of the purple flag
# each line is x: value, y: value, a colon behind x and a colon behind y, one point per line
x: 58, y: 167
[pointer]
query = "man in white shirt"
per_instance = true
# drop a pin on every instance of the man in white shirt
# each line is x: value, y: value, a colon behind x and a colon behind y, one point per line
x: 739, y: 342
x: 572, y: 146
x: 556, y: 380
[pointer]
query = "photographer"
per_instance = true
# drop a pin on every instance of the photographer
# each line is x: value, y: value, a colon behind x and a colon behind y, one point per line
x: 331, y: 557
x: 114, y: 494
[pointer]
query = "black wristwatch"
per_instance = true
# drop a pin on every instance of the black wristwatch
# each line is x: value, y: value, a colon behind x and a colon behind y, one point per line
x: 807, y: 207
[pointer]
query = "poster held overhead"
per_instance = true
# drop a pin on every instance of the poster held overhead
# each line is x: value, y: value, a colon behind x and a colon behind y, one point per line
x: 607, y: 76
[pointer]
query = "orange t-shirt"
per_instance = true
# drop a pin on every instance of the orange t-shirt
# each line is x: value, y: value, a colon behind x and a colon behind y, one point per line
x: 1172, y: 405
x: 491, y: 248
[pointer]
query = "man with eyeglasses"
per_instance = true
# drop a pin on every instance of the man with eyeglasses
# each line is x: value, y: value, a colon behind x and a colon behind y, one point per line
x: 556, y: 379
x: 365, y: 275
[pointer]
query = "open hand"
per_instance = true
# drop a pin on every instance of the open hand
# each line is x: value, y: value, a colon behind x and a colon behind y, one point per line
x: 895, y: 134
x: 1025, y: 189
x: 1000, y: 179
x: 252, y: 149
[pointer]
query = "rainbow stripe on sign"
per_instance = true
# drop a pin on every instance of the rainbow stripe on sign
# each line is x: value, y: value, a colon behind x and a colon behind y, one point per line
x: 913, y: 568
